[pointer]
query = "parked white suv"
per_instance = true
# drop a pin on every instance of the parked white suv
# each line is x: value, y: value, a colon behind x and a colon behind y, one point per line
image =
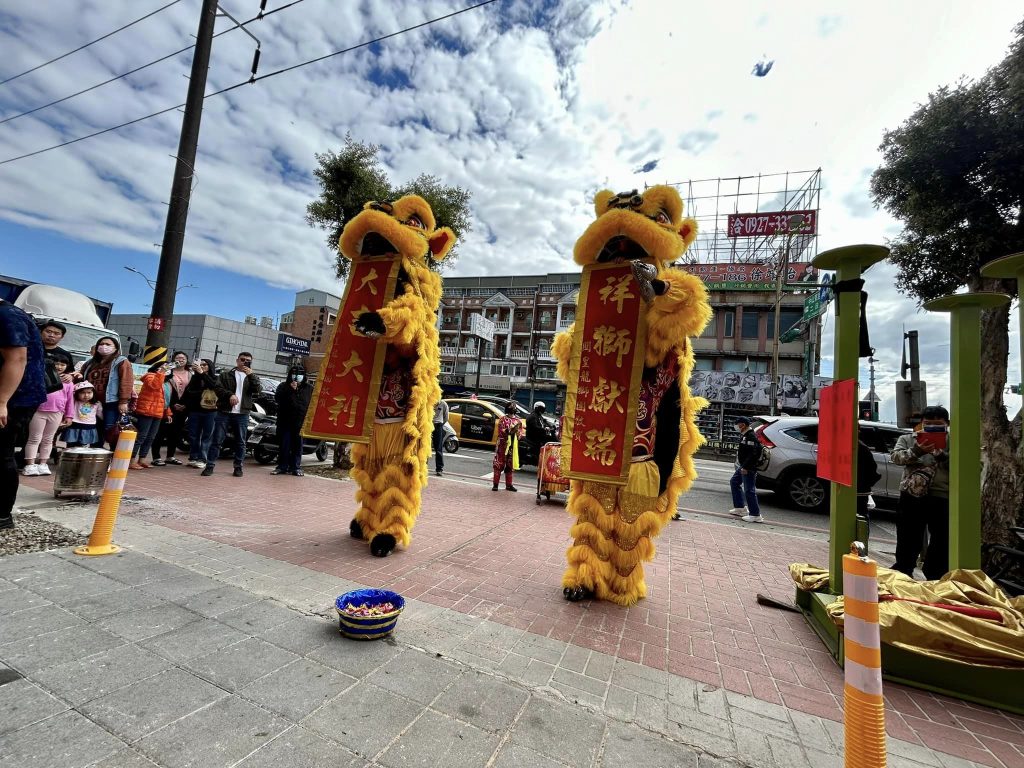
x: 791, y: 469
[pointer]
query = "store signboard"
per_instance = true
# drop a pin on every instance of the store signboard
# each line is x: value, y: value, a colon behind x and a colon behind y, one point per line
x: 767, y: 223
x: 741, y: 276
x: 482, y: 327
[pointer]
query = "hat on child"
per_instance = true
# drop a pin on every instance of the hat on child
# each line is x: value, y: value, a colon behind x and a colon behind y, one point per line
x: 83, y: 385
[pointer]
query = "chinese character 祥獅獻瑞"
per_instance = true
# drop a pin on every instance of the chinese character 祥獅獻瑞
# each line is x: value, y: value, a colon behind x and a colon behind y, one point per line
x: 612, y: 341
x: 616, y: 290
x: 606, y: 394
x: 599, y: 446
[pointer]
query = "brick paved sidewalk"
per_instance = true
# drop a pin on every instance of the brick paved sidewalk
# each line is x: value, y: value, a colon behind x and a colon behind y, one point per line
x: 500, y: 556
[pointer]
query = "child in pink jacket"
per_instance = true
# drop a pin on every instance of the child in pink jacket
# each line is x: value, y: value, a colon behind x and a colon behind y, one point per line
x: 57, y: 411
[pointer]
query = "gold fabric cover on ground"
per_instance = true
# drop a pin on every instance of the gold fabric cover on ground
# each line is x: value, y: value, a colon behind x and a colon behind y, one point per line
x: 938, y: 632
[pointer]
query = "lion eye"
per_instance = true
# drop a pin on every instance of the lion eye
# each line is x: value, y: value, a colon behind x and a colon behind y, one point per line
x: 414, y: 221
x: 662, y: 218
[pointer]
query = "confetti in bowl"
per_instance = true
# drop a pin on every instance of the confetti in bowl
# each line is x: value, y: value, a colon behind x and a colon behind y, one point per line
x: 368, y: 614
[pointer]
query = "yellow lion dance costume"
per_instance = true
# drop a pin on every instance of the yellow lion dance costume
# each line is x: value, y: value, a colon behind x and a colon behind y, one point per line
x: 392, y: 468
x: 615, y: 525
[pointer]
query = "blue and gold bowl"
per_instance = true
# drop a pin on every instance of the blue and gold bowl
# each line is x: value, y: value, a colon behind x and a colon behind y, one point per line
x: 368, y: 627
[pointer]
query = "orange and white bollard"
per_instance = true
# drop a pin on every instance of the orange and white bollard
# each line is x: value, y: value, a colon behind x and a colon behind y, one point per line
x: 862, y: 693
x: 110, y: 501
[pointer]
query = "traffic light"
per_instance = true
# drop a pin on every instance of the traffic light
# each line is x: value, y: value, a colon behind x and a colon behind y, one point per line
x: 867, y: 410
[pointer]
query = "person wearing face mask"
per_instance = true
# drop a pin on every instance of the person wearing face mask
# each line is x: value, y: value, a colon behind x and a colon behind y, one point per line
x: 112, y: 378
x: 744, y: 479
x: 292, y: 396
x: 169, y: 437
x: 924, y: 495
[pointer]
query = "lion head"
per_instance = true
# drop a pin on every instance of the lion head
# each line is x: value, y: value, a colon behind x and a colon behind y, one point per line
x: 631, y: 226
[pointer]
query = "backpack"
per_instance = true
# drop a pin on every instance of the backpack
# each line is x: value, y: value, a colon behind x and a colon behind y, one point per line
x: 918, y: 481
x: 208, y: 400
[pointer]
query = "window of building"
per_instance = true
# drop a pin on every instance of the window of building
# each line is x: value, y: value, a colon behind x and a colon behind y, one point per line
x: 331, y: 319
x: 751, y: 320
x: 787, y: 319
x: 310, y: 300
x: 743, y: 366
x: 711, y: 329
x: 729, y: 321
x: 447, y: 367
x: 703, y: 364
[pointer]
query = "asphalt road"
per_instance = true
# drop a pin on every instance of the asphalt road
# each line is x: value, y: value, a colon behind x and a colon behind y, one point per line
x: 708, y: 499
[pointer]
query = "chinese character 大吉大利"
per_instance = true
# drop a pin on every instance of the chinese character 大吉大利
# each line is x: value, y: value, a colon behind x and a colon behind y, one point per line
x: 612, y: 341
x: 352, y: 366
x: 344, y: 405
x: 370, y: 277
x: 606, y: 394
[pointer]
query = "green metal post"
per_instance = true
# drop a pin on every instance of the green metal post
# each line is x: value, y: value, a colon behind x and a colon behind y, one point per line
x: 849, y: 263
x: 965, y: 422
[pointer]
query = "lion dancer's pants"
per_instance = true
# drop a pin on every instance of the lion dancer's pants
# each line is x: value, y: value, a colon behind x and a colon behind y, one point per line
x: 503, y: 466
x: 613, y: 533
x: 389, y: 483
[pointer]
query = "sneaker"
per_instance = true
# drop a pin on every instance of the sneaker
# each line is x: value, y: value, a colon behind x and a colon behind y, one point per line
x: 43, y: 469
x: 207, y: 471
x: 677, y: 516
x: 158, y: 462
x: 738, y: 511
x: 30, y: 470
x: 494, y: 487
x: 175, y: 462
x: 237, y: 472
x: 279, y: 471
x: 299, y: 473
x: 6, y: 522
x: 439, y: 473
x: 196, y: 464
x: 751, y: 518
x: 513, y: 489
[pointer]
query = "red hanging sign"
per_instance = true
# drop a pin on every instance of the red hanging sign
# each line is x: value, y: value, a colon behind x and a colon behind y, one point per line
x: 604, y: 377
x: 346, y: 391
x: 836, y: 427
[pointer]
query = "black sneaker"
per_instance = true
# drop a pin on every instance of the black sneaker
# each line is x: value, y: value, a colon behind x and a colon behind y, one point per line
x: 513, y: 489
x: 439, y: 473
x: 494, y: 487
x: 237, y: 472
x: 6, y: 523
x: 207, y: 470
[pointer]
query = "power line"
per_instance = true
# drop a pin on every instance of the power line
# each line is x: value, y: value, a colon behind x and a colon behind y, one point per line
x: 253, y: 80
x: 91, y: 42
x: 144, y: 66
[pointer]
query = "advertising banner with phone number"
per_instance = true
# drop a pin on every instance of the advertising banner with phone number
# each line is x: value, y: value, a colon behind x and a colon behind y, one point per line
x: 604, y: 377
x: 345, y: 396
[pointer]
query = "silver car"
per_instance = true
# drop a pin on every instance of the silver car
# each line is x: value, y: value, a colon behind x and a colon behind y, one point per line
x: 791, y: 468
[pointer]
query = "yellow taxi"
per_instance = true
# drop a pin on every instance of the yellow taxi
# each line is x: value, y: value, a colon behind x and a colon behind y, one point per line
x: 474, y: 421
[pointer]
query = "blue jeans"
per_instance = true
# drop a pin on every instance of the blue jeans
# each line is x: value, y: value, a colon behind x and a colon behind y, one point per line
x: 147, y: 427
x: 201, y: 426
x: 743, y: 493
x: 240, y: 421
x: 110, y: 417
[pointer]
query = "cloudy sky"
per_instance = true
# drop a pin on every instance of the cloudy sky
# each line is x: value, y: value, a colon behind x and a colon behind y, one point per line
x: 531, y: 106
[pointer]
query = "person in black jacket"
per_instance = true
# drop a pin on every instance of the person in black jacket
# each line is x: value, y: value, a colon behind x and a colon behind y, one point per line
x: 236, y: 391
x: 743, y: 480
x: 202, y: 412
x: 867, y: 476
x: 292, y: 396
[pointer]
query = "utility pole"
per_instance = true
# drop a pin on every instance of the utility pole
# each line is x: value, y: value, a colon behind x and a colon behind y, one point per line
x: 159, y: 332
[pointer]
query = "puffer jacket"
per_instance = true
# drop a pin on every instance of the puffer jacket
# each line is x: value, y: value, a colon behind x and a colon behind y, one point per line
x: 154, y: 398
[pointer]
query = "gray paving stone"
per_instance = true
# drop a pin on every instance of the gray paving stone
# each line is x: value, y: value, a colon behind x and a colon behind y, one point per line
x: 35, y: 621
x: 100, y: 674
x: 575, y: 658
x: 749, y: 705
x: 147, y: 705
x: 299, y: 748
x: 559, y: 731
x: 133, y: 568
x: 496, y: 635
x: 16, y: 599
x: 198, y: 638
x: 297, y: 689
x: 22, y: 703
x: 180, y: 589
x: 217, y: 736
x: 78, y: 642
x: 620, y: 703
x: 752, y: 747
x: 516, y: 756
x: 712, y: 701
x: 259, y: 617
x: 124, y: 600
x: 125, y: 758
x: 787, y: 754
x: 538, y: 673
x: 710, y: 761
x: 302, y: 634
x: 73, y: 588
x: 482, y: 700
x: 631, y: 747
x: 415, y: 675
x: 214, y: 602
x: 645, y: 680
x: 65, y: 741
x: 240, y: 664
x: 576, y: 696
x: 364, y: 719
x: 580, y: 682
x: 600, y: 667
x: 916, y: 752
x: 355, y: 657
x: 514, y: 666
x: 720, y: 743
x: 149, y: 622
x: 438, y: 742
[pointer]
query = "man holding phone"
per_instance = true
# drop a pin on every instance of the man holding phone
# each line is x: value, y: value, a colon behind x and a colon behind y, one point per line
x: 924, y: 495
x: 236, y: 389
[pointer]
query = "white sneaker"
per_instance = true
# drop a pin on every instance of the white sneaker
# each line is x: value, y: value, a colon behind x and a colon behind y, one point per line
x: 738, y: 511
x: 751, y: 518
x: 43, y: 469
x: 197, y: 464
x: 30, y: 470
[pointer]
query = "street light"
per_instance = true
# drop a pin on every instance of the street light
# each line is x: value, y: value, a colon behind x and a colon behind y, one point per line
x: 152, y: 282
x: 793, y: 225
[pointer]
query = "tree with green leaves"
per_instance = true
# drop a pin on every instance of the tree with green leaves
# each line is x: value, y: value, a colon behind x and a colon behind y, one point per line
x: 354, y: 175
x: 952, y: 174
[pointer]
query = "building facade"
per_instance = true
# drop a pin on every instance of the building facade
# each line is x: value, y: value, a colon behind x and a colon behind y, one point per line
x: 216, y: 338
x: 313, y: 318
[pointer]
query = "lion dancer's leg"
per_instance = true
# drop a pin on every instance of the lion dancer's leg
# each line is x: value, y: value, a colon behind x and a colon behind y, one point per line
x: 613, y: 537
x: 389, y: 490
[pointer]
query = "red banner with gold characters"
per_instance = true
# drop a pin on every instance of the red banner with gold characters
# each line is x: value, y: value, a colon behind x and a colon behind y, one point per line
x: 604, y: 376
x: 345, y: 395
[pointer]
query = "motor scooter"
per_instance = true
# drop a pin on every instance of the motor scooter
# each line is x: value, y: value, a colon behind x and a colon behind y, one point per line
x: 265, y: 448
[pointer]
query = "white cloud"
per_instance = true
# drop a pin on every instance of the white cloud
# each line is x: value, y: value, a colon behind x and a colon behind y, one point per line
x: 532, y: 107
